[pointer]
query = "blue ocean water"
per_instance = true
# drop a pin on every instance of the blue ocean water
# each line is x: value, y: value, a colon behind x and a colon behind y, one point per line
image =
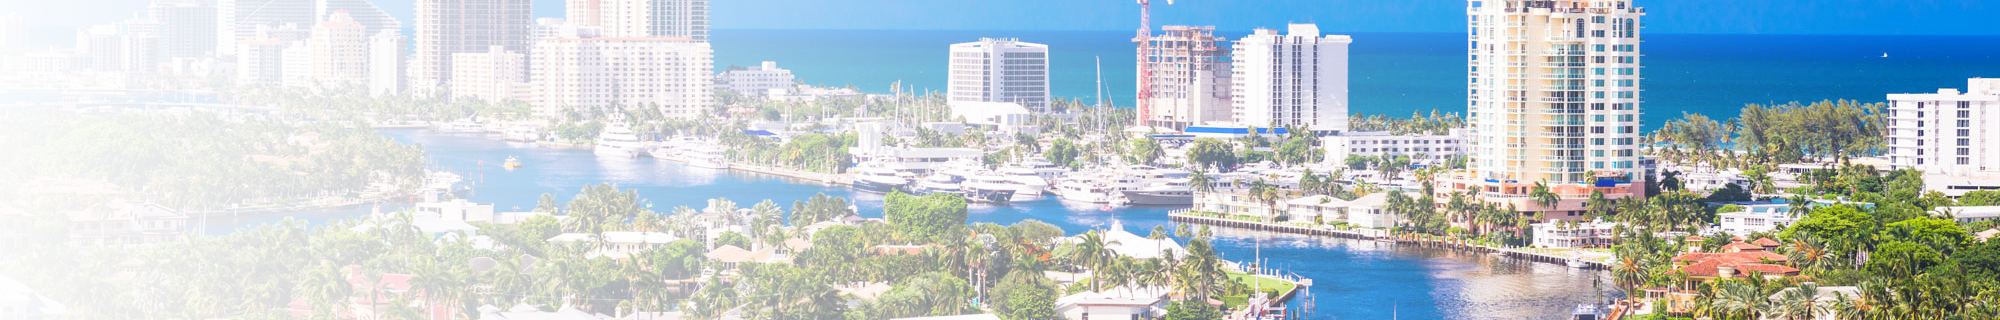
x: 1351, y: 279
x: 1398, y: 73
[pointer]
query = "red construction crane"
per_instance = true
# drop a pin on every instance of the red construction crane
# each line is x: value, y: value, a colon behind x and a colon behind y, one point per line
x: 1145, y: 40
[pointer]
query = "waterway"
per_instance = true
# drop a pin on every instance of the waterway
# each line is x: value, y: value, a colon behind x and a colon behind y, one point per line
x: 1352, y: 279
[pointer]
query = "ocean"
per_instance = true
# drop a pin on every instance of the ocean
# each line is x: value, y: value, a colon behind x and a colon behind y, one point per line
x: 1400, y: 73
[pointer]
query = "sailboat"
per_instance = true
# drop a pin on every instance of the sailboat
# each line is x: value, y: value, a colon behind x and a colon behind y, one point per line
x: 1885, y: 55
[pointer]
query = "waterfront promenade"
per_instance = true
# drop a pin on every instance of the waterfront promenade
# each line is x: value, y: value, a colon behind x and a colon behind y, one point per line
x: 1573, y: 258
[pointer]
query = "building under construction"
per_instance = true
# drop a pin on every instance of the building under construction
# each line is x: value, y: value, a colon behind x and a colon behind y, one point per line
x: 1189, y: 78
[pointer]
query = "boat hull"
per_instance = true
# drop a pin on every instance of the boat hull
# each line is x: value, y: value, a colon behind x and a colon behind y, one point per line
x: 878, y: 187
x: 1155, y: 198
x: 989, y: 196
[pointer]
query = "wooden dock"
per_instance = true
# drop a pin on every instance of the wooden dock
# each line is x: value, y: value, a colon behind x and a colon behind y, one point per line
x: 1423, y: 240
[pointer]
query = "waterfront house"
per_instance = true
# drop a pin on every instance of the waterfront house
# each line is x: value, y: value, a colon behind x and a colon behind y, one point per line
x: 1754, y: 216
x: 1120, y: 303
x: 1737, y: 259
x: 1564, y: 234
x: 616, y: 244
x: 1317, y: 208
x: 1371, y: 211
x: 372, y: 296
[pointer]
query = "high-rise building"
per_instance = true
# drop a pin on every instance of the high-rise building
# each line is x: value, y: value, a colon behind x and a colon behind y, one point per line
x: 672, y: 73
x: 385, y: 62
x: 487, y: 76
x: 1949, y: 135
x: 1294, y: 79
x: 1190, y: 74
x: 260, y: 61
x: 186, y: 28
x: 1000, y: 70
x: 1554, y: 90
x: 238, y: 20
x: 11, y: 33
x: 125, y: 46
x: 297, y: 65
x: 759, y: 80
x: 445, y: 27
x: 642, y: 18
x: 339, y: 50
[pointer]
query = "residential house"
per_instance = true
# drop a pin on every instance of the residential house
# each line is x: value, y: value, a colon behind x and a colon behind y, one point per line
x: 1120, y: 303
x: 1737, y: 259
x: 1371, y: 211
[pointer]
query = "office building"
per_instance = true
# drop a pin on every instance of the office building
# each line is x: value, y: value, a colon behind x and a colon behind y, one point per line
x: 445, y: 27
x: 642, y: 18
x: 339, y: 50
x: 759, y: 80
x: 1190, y: 78
x: 1000, y: 70
x: 487, y: 76
x: 673, y: 74
x: 385, y: 63
x: 1949, y: 135
x: 1297, y: 79
x: 186, y: 28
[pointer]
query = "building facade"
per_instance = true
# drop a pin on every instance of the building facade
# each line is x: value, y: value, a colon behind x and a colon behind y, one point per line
x: 672, y: 73
x: 1000, y: 70
x: 1554, y: 89
x: 642, y: 18
x: 487, y: 76
x: 260, y: 61
x: 237, y: 20
x: 385, y: 62
x: 339, y: 50
x: 1419, y: 147
x: 445, y: 27
x: 1948, y: 132
x: 1295, y: 79
x: 1190, y: 78
x: 759, y: 80
x: 187, y: 28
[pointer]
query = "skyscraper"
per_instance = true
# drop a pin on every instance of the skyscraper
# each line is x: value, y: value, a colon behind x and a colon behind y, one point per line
x: 642, y: 18
x: 238, y: 20
x: 339, y: 50
x: 186, y: 28
x: 445, y: 27
x: 1000, y: 70
x: 385, y: 62
x: 1295, y: 79
x: 671, y: 73
x: 1554, y: 88
x: 1191, y: 77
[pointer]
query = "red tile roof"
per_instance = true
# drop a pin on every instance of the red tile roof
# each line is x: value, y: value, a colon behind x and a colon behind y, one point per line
x: 1766, y: 242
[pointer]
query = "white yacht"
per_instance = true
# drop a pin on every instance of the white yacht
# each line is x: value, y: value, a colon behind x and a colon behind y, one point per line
x: 989, y: 187
x: 617, y: 140
x: 522, y: 133
x: 459, y: 126
x: 1031, y: 183
x: 937, y: 183
x: 1162, y: 192
x: 708, y: 156
x: 880, y: 180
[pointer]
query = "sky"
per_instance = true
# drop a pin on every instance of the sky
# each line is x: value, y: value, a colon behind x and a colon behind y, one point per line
x: 1905, y: 17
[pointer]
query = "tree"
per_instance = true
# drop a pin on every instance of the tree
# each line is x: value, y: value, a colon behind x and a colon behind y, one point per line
x: 1898, y: 259
x: 1844, y: 227
x: 1981, y: 261
x: 1025, y: 295
x: 1980, y: 198
x: 1544, y: 198
x: 1143, y: 151
x: 1213, y: 154
x: 1062, y: 152
x: 1092, y: 251
x: 1729, y: 193
x: 1740, y: 297
x: 926, y: 218
x: 1193, y: 309
x: 1798, y: 303
x: 1941, y: 235
x: 732, y: 238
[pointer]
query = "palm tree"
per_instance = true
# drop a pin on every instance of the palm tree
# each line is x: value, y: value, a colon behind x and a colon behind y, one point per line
x: 1544, y: 198
x: 325, y: 285
x: 1736, y: 297
x: 1092, y: 252
x: 1201, y: 181
x: 1798, y: 303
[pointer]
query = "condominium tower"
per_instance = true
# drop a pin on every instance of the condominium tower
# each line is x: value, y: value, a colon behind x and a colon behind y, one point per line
x: 487, y: 76
x: 1949, y: 135
x: 642, y: 18
x: 385, y: 62
x: 1190, y: 78
x: 445, y: 27
x: 1000, y: 70
x: 1295, y: 79
x: 673, y: 74
x: 1554, y: 91
x: 186, y: 28
x: 339, y: 50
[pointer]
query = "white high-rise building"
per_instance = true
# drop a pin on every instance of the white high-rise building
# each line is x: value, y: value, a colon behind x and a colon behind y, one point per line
x: 1000, y: 70
x: 445, y: 27
x: 238, y: 20
x: 1554, y: 89
x: 260, y: 61
x: 487, y: 76
x: 186, y: 28
x: 759, y: 80
x: 297, y: 61
x: 642, y: 18
x: 1949, y: 135
x: 11, y: 33
x: 125, y: 46
x: 385, y: 63
x: 672, y: 73
x: 339, y: 50
x: 1295, y: 79
x: 1190, y: 74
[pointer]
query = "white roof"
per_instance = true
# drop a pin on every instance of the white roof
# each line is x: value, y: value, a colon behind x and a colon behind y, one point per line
x: 617, y: 237
x: 982, y: 316
x: 1318, y: 200
x: 1136, y: 246
x: 1972, y: 212
x: 981, y: 112
x: 1122, y: 295
x: 1372, y: 200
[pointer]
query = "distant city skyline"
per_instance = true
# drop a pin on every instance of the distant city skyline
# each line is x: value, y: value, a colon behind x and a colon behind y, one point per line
x: 1924, y: 17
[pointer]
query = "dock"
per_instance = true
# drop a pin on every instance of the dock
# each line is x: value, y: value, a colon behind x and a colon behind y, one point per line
x: 1424, y: 240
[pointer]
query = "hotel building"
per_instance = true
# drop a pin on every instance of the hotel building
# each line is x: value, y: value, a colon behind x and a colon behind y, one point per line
x: 672, y: 73
x: 642, y: 18
x: 445, y: 27
x: 1000, y: 70
x: 1295, y: 79
x: 759, y: 80
x: 186, y: 28
x: 1949, y: 135
x: 1554, y: 98
x: 487, y: 76
x: 1190, y: 78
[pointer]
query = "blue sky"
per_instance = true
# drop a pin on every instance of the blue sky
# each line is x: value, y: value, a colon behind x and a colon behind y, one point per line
x: 1664, y: 16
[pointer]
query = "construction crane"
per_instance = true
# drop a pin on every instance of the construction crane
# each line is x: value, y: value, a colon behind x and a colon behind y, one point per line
x: 1145, y: 41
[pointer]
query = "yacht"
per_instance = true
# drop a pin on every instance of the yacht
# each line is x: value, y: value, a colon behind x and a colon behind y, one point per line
x: 1162, y: 192
x: 707, y: 156
x: 618, y: 141
x: 1101, y: 187
x: 988, y: 187
x: 1031, y: 183
x: 521, y: 133
x: 937, y: 183
x: 880, y: 180
x: 459, y: 126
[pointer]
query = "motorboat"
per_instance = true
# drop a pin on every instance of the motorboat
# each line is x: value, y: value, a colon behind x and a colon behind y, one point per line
x: 521, y: 133
x: 1030, y: 183
x: 512, y: 163
x: 617, y: 140
x: 459, y: 126
x: 988, y: 187
x: 879, y: 180
x: 707, y: 156
x: 938, y: 183
x: 1162, y: 192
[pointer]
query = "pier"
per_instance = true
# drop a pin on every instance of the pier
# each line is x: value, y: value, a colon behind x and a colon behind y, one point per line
x: 1423, y: 240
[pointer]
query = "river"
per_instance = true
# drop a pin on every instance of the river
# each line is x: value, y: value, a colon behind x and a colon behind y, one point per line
x: 1351, y: 279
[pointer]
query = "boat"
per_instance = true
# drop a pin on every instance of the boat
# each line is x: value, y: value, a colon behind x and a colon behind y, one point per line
x: 521, y: 133
x: 1586, y: 312
x: 707, y: 156
x: 512, y: 163
x: 1031, y: 183
x: 938, y: 183
x: 1577, y: 262
x: 879, y: 180
x: 1885, y: 54
x: 988, y: 187
x: 1162, y: 192
x: 617, y: 140
x: 1085, y: 190
x: 459, y: 126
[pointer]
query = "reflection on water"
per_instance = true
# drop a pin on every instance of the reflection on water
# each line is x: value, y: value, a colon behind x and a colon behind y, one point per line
x: 1352, y: 279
